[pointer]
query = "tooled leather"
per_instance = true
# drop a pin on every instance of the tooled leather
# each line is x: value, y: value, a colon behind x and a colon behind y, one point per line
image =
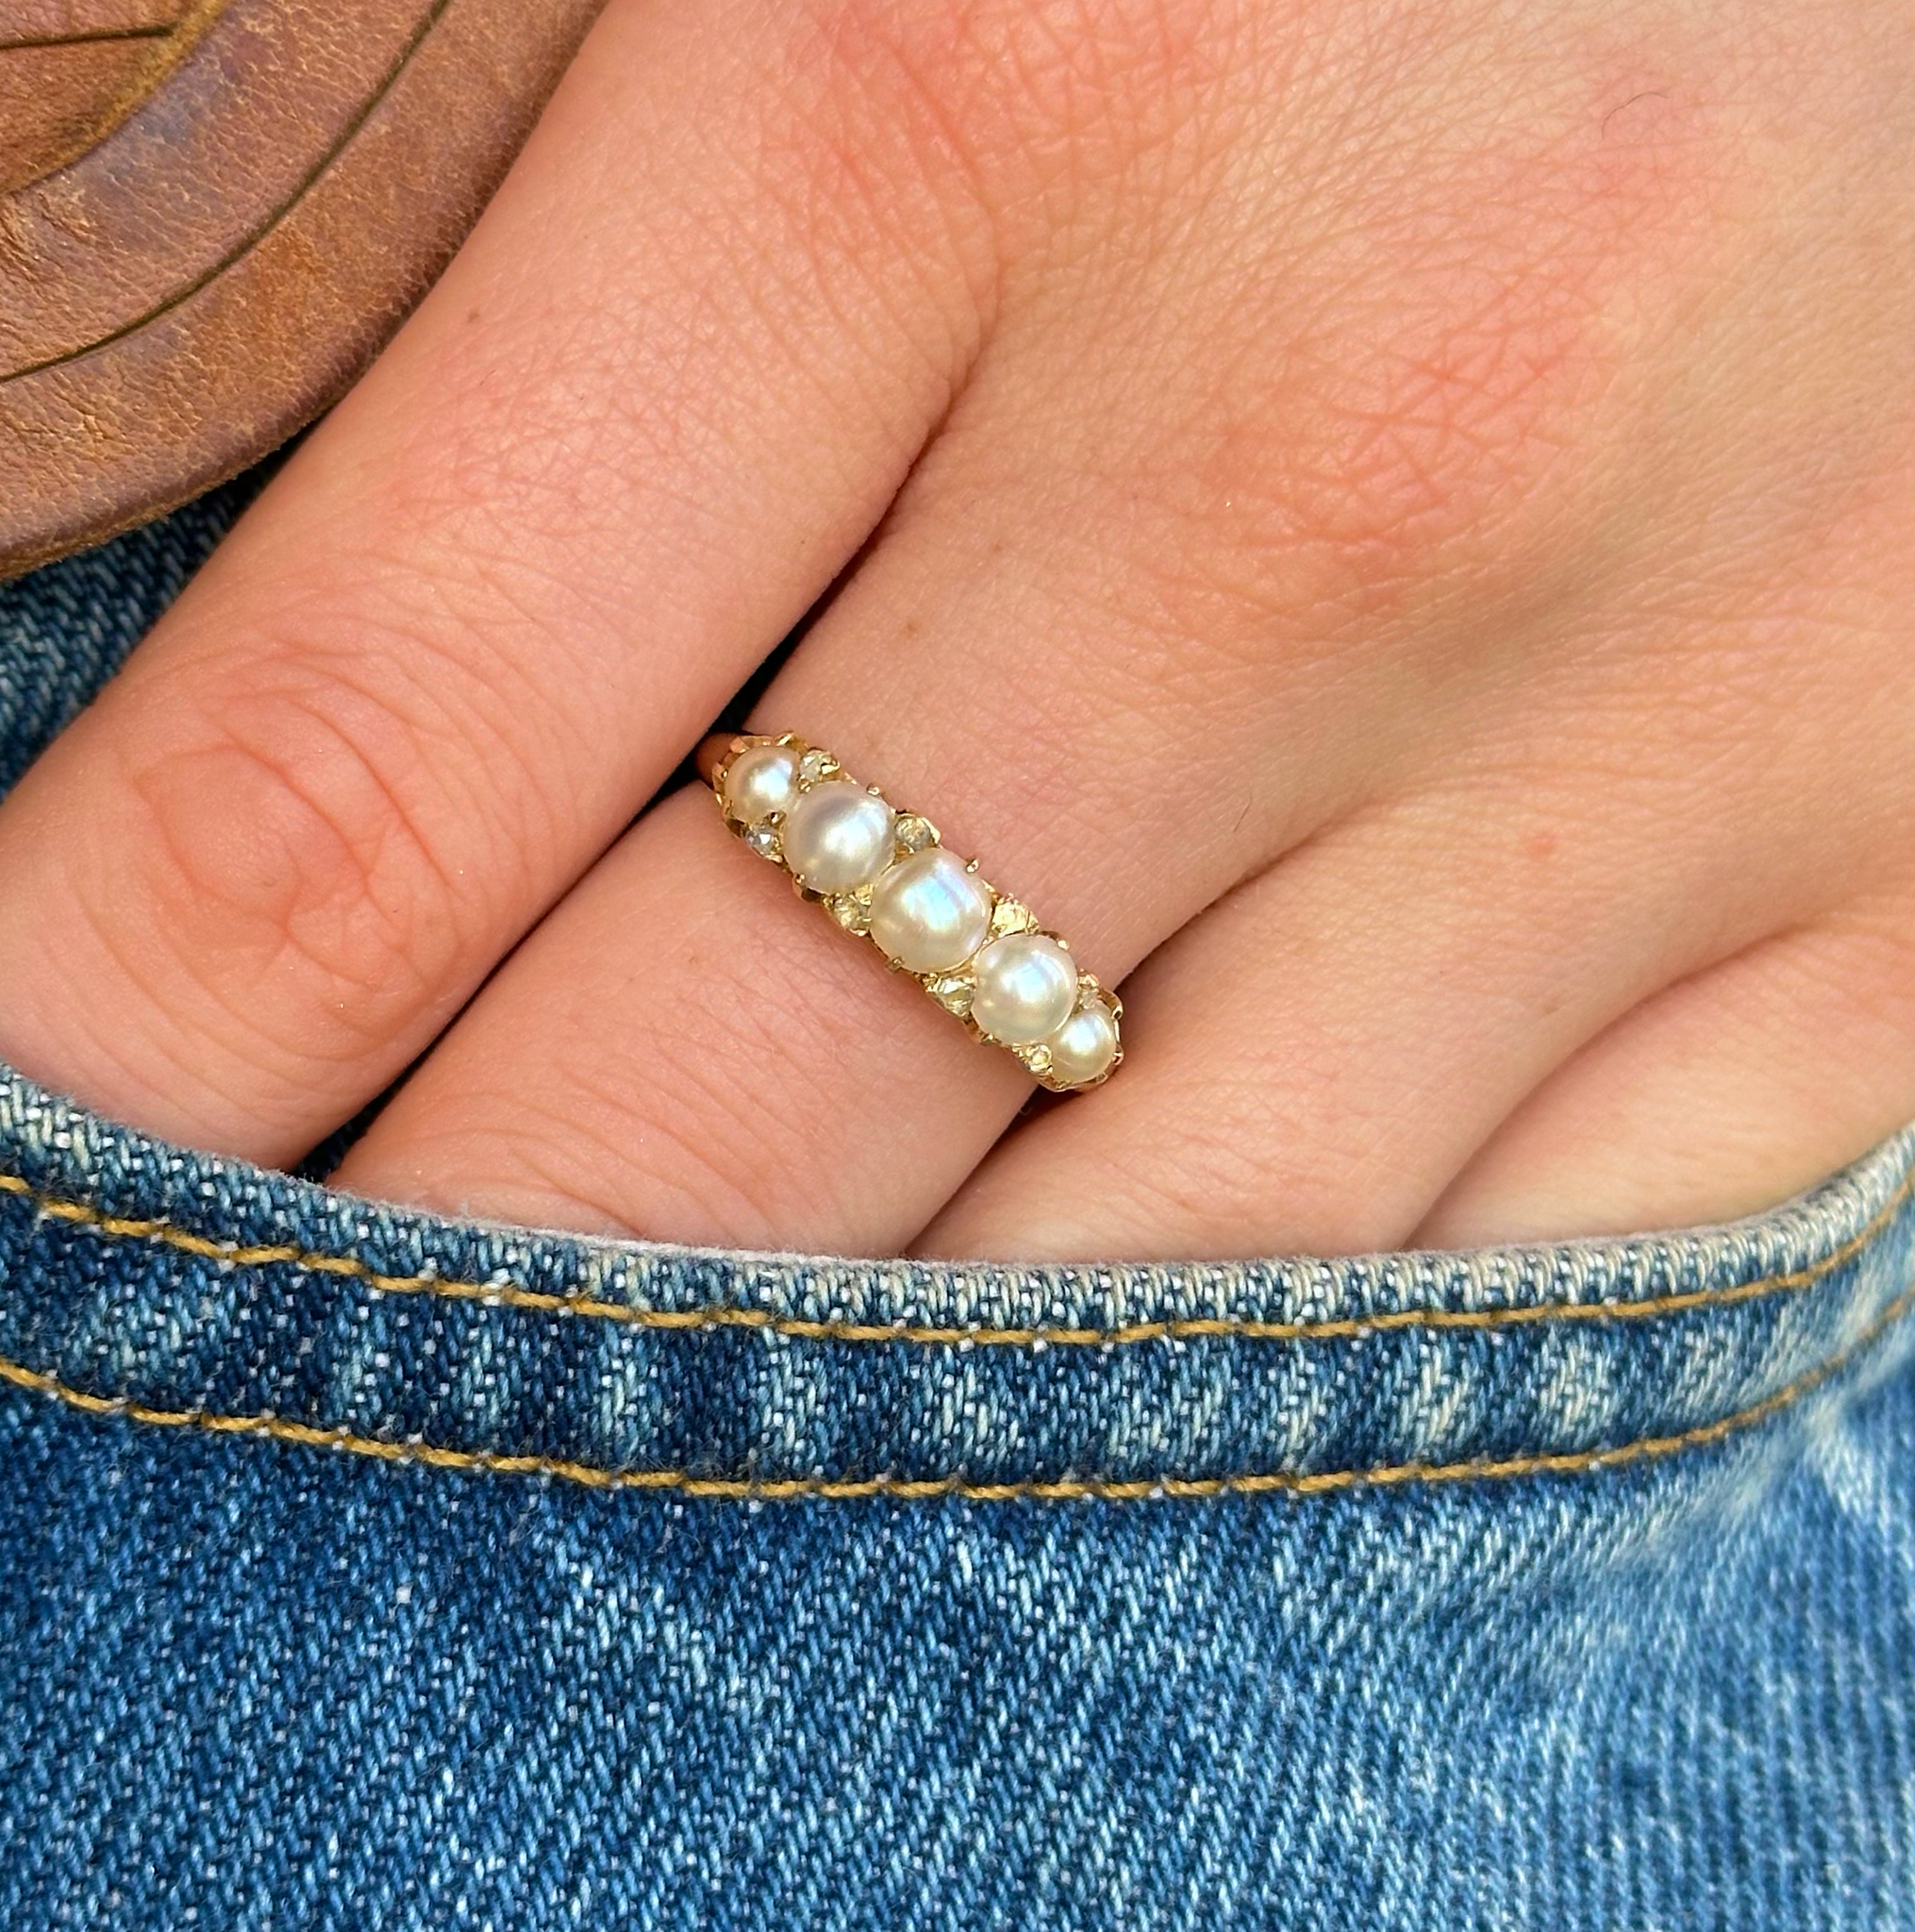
x: 71, y: 70
x: 252, y: 220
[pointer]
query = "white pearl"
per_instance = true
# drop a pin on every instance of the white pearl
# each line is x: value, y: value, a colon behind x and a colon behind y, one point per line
x: 1026, y: 985
x: 837, y: 837
x: 928, y: 913
x: 1084, y: 1046
x: 760, y: 780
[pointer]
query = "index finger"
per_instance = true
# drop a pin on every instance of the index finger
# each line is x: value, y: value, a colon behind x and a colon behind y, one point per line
x: 481, y: 614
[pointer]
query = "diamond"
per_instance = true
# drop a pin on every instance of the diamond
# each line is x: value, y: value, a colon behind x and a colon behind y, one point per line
x: 952, y: 991
x: 914, y: 833
x: 815, y: 765
x: 852, y: 910
x: 1038, y: 1059
x: 1009, y: 915
x: 763, y: 840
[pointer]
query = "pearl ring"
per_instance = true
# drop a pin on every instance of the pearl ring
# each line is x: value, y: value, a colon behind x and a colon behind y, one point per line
x: 882, y: 875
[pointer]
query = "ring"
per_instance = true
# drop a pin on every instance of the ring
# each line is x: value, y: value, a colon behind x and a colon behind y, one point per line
x: 883, y: 876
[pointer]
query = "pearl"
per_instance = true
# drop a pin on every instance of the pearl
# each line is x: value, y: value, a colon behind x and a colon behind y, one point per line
x: 928, y: 913
x: 761, y: 779
x: 837, y: 837
x: 1084, y: 1046
x: 1026, y: 985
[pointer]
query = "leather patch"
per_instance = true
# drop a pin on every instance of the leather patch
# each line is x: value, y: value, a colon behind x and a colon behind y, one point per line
x: 212, y: 215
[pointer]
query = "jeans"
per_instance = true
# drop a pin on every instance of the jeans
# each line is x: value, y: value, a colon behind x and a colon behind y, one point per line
x: 363, y: 1569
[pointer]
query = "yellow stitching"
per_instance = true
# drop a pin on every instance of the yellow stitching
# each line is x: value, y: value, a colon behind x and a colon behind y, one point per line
x: 798, y: 1328
x: 931, y: 1489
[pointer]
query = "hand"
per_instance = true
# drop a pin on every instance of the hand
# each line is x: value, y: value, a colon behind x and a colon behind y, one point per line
x: 1390, y: 525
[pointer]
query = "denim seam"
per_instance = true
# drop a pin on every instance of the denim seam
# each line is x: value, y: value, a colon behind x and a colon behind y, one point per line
x: 1182, y: 1328
x: 935, y: 1489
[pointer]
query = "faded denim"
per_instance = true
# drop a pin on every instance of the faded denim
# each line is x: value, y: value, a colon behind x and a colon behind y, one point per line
x: 364, y: 1570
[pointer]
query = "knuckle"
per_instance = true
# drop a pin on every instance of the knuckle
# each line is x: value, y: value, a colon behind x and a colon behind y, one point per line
x: 1425, y: 366
x: 290, y: 858
x: 996, y: 96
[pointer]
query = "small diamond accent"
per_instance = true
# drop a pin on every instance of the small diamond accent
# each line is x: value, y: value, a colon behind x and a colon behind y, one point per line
x: 1009, y: 915
x: 763, y: 840
x: 952, y: 992
x: 1038, y: 1059
x: 815, y: 765
x: 852, y: 910
x: 914, y: 833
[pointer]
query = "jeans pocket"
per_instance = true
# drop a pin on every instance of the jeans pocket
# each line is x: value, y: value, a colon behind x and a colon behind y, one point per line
x: 359, y: 1568
x: 184, y: 1290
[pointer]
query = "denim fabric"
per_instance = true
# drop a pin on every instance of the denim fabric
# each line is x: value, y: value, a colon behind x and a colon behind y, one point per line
x: 361, y: 1569
x: 65, y: 630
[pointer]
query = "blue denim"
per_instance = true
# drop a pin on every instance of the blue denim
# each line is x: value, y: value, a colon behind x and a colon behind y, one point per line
x: 363, y: 1569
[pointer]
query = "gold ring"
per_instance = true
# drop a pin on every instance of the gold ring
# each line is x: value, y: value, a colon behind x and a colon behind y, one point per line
x: 882, y: 874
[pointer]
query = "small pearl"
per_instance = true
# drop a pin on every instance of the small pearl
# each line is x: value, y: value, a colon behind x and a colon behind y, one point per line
x: 1026, y: 985
x: 1084, y: 1046
x: 760, y: 780
x: 837, y: 837
x: 928, y: 913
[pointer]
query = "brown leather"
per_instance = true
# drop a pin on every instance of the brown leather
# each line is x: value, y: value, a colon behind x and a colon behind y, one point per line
x: 213, y: 214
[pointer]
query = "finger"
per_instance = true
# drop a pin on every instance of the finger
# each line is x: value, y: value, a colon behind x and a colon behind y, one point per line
x: 684, y: 1050
x: 1729, y: 1093
x: 485, y: 609
x: 1311, y: 1064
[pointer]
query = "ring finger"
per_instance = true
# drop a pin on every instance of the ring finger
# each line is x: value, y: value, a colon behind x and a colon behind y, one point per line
x: 683, y: 1051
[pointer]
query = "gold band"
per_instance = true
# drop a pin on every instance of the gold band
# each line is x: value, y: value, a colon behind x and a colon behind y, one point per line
x: 882, y: 874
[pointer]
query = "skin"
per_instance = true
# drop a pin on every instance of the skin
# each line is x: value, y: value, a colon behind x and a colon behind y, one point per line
x: 1390, y: 522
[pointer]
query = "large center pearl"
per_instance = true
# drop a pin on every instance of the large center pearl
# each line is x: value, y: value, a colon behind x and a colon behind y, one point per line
x: 761, y: 779
x: 837, y: 837
x: 928, y: 913
x: 1026, y: 985
x: 1084, y: 1046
